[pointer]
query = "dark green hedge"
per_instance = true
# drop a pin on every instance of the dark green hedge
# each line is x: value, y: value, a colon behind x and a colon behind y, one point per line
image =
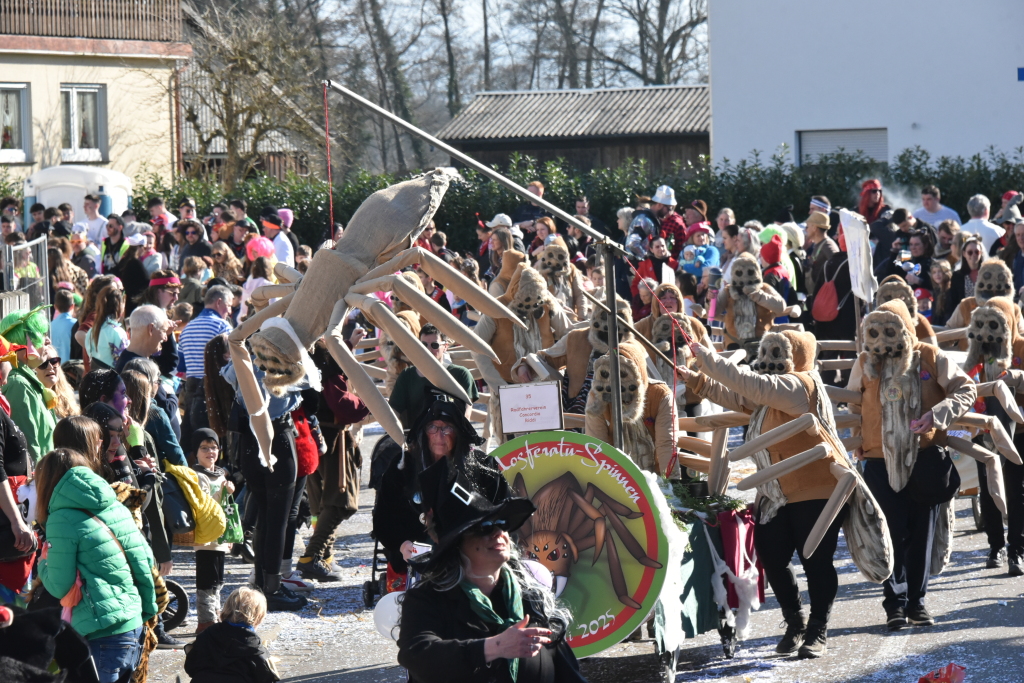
x: 753, y: 188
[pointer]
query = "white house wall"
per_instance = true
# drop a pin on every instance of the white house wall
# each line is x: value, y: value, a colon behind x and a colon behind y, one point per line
x: 942, y: 74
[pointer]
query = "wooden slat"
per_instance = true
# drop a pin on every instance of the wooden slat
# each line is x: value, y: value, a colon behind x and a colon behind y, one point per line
x: 156, y: 20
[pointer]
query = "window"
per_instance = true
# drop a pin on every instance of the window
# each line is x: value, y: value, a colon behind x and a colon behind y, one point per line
x: 83, y: 122
x: 14, y: 123
x: 874, y: 142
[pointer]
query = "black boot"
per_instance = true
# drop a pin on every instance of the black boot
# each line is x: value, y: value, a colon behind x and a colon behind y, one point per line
x: 279, y: 598
x: 815, y: 640
x: 796, y: 625
x: 243, y: 550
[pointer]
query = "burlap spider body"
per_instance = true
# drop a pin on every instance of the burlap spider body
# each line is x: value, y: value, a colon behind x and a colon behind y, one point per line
x: 375, y: 245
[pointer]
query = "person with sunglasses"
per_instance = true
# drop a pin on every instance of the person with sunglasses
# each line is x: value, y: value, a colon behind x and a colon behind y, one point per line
x: 442, y: 434
x: 478, y: 613
x: 114, y: 246
x: 52, y: 377
x: 413, y: 393
x: 195, y: 241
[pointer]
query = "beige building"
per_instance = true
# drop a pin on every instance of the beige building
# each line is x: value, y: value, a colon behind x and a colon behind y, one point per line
x: 90, y: 83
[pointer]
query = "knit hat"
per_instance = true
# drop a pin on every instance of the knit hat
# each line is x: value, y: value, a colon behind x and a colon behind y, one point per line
x: 771, y: 253
x: 204, y: 434
x: 785, y: 214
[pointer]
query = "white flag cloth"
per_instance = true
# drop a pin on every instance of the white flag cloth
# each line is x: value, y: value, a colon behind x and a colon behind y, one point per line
x: 858, y: 248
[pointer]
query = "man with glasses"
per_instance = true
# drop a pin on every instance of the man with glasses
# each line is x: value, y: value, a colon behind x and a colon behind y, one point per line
x: 114, y: 246
x: 413, y: 393
x: 187, y: 209
x: 195, y: 243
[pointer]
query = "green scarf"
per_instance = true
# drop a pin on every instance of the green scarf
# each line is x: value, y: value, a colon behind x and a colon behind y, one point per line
x: 481, y: 606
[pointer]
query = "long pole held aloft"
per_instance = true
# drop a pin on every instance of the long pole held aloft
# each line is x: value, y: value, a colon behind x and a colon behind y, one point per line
x: 477, y: 166
x: 609, y: 248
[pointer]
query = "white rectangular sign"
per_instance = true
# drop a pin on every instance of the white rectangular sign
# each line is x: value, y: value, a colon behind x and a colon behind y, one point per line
x: 533, y: 407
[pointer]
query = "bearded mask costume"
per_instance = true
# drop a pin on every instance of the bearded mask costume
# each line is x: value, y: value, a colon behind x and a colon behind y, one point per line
x: 546, y: 322
x: 648, y: 411
x: 903, y: 381
x: 747, y: 305
x: 564, y: 280
x: 894, y: 287
x: 576, y: 353
x: 994, y: 279
x: 780, y: 387
x: 995, y: 352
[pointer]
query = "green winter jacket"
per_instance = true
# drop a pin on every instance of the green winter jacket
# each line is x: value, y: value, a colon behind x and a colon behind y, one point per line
x: 24, y: 392
x: 116, y: 597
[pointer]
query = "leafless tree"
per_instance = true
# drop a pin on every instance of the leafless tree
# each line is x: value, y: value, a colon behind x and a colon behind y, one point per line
x: 669, y: 45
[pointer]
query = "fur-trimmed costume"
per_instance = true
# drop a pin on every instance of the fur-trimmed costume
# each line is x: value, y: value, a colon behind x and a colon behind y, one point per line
x: 994, y: 279
x: 748, y: 305
x: 546, y: 322
x: 901, y: 380
x: 656, y: 328
x: 576, y: 352
x: 565, y: 282
x: 895, y: 287
x: 648, y: 411
x: 510, y: 260
x: 780, y: 386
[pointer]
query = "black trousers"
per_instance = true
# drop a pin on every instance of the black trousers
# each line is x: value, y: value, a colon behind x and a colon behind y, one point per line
x: 912, y: 528
x: 293, y: 519
x: 209, y: 569
x: 272, y: 494
x: 1013, y: 483
x: 785, y: 534
x: 195, y: 414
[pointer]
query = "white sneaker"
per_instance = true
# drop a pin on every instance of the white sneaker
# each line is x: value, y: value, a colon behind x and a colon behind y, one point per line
x: 294, y: 582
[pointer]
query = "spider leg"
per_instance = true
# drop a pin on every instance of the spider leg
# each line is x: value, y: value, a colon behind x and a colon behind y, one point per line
x: 786, y: 466
x: 843, y: 491
x: 618, y: 580
x: 593, y: 513
x: 519, y: 486
x: 1002, y: 391
x: 362, y: 384
x: 804, y: 423
x: 428, y: 308
x: 261, y: 296
x: 418, y: 355
x: 259, y: 420
x: 286, y: 273
x: 991, y: 424
x: 614, y: 505
x: 993, y: 467
x: 449, y: 277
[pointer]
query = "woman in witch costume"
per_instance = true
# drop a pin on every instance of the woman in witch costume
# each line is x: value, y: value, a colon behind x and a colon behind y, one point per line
x: 477, y: 615
x: 441, y: 433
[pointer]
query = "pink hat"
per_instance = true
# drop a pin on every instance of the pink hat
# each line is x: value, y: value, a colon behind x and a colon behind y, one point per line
x: 698, y: 227
x: 287, y: 216
x: 259, y: 246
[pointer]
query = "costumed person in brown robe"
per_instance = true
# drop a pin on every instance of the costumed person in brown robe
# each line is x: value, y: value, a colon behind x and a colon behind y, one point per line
x: 648, y: 411
x: 994, y: 279
x: 748, y: 305
x: 546, y: 322
x: 781, y: 385
x: 565, y: 282
x: 911, y: 393
x: 895, y: 287
x: 996, y: 352
x: 576, y: 353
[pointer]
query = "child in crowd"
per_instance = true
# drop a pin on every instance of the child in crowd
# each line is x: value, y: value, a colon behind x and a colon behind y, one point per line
x: 924, y: 301
x: 687, y: 283
x: 191, y: 282
x: 60, y: 328
x: 210, y: 556
x: 231, y: 650
x: 181, y: 314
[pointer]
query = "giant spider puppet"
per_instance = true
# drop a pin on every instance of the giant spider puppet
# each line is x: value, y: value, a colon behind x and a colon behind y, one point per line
x: 375, y: 245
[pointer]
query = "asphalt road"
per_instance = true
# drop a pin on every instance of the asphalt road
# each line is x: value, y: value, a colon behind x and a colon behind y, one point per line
x: 979, y: 614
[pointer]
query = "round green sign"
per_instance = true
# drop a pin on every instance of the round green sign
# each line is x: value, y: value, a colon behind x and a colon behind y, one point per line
x: 596, y: 528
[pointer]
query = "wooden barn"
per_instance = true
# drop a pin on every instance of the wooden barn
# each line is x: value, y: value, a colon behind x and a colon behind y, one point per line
x: 589, y: 128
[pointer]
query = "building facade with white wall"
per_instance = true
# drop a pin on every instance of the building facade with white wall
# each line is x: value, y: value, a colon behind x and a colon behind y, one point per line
x: 877, y: 76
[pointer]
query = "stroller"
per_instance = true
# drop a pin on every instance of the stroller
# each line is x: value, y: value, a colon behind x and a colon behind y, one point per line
x: 384, y: 453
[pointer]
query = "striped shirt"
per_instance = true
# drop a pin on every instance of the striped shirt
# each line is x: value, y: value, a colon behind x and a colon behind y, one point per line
x: 194, y: 338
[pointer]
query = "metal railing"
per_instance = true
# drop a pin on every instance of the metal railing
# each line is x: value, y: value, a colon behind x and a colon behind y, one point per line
x: 26, y: 269
x: 157, y: 20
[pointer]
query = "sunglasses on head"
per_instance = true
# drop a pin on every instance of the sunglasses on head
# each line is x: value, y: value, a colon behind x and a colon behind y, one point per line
x: 489, y: 527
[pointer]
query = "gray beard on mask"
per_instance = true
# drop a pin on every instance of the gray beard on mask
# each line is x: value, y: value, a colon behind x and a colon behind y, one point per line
x: 526, y: 341
x: 744, y: 314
